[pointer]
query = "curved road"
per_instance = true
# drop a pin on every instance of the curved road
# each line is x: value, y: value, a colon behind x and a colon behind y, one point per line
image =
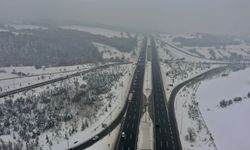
x: 178, y: 87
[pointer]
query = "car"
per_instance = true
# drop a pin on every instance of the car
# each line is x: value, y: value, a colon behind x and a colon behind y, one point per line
x: 95, y: 138
x: 123, y: 135
x: 75, y: 142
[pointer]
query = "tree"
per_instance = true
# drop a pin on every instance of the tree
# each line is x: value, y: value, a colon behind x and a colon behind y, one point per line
x: 86, y: 123
x: 191, y: 136
x: 83, y: 126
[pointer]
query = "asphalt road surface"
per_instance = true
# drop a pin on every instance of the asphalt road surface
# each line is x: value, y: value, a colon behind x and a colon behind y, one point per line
x: 166, y: 132
x: 130, y: 125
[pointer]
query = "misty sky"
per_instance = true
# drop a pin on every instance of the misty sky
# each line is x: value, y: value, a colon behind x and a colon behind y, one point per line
x: 216, y: 16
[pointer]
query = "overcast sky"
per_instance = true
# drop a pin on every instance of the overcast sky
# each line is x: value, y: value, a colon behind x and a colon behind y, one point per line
x: 217, y: 16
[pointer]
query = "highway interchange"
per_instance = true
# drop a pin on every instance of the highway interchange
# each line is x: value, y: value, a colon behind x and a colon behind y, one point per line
x: 166, y: 135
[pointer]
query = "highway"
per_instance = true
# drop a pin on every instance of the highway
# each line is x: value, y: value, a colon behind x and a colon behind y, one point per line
x: 129, y: 109
x: 130, y: 124
x: 165, y: 132
x: 166, y: 129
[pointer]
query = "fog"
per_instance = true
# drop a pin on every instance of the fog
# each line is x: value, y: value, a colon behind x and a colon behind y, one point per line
x: 215, y: 16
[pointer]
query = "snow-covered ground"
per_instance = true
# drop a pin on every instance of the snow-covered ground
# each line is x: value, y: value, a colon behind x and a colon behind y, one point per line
x: 24, y: 26
x: 229, y: 126
x: 215, y: 53
x: 111, y: 53
x: 31, y: 70
x: 213, y: 113
x: 194, y: 134
x: 167, y: 52
x: 177, y: 72
x: 95, y: 30
x: 16, y: 77
x: 110, y: 108
x: 107, y: 118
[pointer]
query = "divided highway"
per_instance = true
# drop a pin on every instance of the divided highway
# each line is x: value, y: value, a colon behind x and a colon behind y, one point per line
x: 128, y: 136
x: 166, y: 131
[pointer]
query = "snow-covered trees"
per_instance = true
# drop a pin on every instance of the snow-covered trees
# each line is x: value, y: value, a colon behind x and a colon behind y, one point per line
x: 62, y: 109
x: 191, y: 135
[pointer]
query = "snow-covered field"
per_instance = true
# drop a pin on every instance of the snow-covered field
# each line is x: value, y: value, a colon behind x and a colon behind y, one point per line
x: 167, y: 52
x: 95, y: 30
x: 111, y: 53
x: 229, y: 126
x: 24, y: 26
x: 194, y: 134
x: 215, y: 53
x: 16, y: 77
x: 58, y: 137
x: 213, y: 113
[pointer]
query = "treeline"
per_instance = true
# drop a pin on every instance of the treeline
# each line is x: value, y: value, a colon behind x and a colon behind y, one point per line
x: 55, y: 47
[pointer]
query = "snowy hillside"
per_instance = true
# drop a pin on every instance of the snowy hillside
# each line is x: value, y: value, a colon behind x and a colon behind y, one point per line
x: 112, y: 54
x: 99, y: 31
x: 225, y: 48
x: 24, y: 26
